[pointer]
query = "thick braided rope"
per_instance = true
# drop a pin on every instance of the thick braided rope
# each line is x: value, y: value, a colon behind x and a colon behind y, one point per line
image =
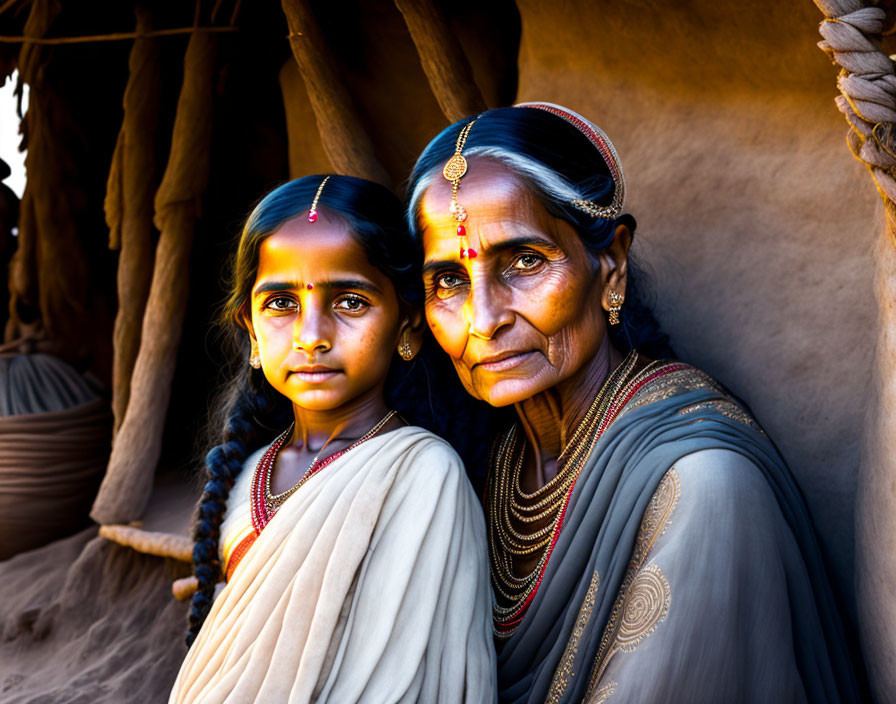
x: 867, y: 84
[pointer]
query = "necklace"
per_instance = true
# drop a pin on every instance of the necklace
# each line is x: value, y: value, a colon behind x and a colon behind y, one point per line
x: 527, y: 524
x: 264, y: 504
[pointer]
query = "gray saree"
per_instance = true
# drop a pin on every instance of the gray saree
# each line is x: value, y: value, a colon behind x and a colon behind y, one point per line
x: 686, y: 568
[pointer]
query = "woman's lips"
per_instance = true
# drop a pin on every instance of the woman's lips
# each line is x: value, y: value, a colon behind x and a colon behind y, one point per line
x: 503, y: 361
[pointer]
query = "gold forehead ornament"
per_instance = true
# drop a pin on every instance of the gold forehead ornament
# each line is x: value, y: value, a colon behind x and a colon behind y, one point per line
x: 312, y: 212
x: 453, y: 171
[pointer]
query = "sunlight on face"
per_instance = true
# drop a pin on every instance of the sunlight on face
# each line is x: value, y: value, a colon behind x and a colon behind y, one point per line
x: 525, y: 314
x: 325, y: 319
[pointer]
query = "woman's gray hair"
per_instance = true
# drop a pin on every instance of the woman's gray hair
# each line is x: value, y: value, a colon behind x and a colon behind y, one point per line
x: 535, y: 174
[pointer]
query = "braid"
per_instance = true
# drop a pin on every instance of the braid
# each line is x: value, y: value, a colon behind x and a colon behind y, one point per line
x: 246, y: 428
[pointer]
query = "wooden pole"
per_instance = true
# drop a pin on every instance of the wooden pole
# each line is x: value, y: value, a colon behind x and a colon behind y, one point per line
x: 129, y: 208
x: 342, y: 132
x: 442, y: 57
x: 128, y: 482
x: 24, y: 289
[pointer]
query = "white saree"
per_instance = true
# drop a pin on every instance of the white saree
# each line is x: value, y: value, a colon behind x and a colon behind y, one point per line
x: 370, y: 584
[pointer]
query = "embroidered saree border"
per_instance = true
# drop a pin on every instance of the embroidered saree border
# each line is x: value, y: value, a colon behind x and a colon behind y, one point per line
x: 645, y: 595
x: 565, y: 670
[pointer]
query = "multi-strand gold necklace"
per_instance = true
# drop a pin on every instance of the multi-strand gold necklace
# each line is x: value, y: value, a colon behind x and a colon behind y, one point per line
x: 527, y: 524
x: 264, y: 503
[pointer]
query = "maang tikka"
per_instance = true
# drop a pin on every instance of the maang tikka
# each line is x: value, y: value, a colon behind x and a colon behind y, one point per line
x: 453, y: 171
x: 312, y: 212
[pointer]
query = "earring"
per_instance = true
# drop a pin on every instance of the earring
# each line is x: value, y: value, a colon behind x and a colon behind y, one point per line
x: 404, y: 349
x: 616, y: 300
x: 254, y: 356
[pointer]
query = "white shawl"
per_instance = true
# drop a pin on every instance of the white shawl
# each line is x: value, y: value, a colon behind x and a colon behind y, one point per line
x: 370, y: 584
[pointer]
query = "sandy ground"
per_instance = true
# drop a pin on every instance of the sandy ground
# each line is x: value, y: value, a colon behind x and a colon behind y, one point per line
x: 87, y: 621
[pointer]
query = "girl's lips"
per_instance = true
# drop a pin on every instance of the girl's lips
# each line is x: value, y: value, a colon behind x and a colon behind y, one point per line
x: 316, y: 375
x: 505, y: 362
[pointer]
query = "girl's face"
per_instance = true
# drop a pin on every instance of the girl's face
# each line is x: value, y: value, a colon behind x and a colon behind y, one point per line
x: 327, y: 322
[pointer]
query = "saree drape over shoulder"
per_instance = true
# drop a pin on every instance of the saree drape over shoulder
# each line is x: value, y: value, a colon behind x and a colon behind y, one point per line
x: 370, y: 584
x: 686, y: 568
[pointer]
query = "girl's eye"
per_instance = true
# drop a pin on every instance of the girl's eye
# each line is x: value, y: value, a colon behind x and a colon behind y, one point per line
x: 353, y: 304
x: 528, y: 261
x: 280, y: 304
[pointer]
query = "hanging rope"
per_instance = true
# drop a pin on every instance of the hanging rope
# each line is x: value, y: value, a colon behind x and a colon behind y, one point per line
x: 118, y: 36
x: 867, y: 84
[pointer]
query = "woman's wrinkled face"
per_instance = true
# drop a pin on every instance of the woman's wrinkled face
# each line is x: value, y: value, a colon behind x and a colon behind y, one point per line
x: 326, y: 320
x: 525, y: 314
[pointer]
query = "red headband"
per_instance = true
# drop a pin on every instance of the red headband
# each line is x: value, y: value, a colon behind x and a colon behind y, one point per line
x: 607, y: 151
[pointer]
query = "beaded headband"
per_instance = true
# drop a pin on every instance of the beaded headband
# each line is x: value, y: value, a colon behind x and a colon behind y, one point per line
x: 312, y: 212
x: 603, y: 145
x: 453, y: 170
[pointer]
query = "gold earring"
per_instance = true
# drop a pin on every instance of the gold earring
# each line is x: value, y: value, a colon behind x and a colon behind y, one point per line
x: 254, y: 356
x: 616, y: 301
x: 404, y: 349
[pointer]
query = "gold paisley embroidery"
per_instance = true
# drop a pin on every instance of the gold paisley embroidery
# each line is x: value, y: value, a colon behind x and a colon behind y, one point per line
x: 565, y: 669
x: 657, y: 517
x: 602, y: 695
x: 689, y: 379
x: 646, y: 605
x: 672, y: 384
x: 656, y: 520
x: 727, y: 408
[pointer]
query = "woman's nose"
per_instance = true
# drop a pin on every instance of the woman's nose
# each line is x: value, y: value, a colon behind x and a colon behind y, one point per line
x: 486, y: 310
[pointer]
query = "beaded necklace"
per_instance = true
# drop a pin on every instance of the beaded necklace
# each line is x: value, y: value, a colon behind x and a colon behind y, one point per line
x: 508, y: 504
x: 265, y: 504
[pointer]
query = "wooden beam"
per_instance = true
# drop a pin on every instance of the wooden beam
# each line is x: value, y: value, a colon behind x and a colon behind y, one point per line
x: 342, y: 131
x: 129, y: 477
x: 442, y: 57
x: 129, y: 207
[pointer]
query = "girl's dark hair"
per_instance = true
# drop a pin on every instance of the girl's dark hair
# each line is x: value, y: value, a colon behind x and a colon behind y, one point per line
x: 559, y: 164
x: 249, y: 412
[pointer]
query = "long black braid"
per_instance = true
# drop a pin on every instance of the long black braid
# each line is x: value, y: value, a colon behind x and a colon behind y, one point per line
x: 254, y: 415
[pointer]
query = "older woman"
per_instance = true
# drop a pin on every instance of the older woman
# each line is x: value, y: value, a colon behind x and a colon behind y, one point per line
x: 646, y: 541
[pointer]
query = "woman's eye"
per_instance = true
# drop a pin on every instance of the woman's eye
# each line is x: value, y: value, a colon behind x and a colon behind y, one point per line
x: 448, y: 281
x: 527, y: 262
x: 351, y: 303
x: 280, y: 304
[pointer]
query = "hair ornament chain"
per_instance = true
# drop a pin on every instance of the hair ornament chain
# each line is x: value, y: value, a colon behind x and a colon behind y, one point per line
x: 312, y: 212
x: 453, y: 171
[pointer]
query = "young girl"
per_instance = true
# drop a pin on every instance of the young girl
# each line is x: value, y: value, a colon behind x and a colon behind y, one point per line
x: 353, y: 545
